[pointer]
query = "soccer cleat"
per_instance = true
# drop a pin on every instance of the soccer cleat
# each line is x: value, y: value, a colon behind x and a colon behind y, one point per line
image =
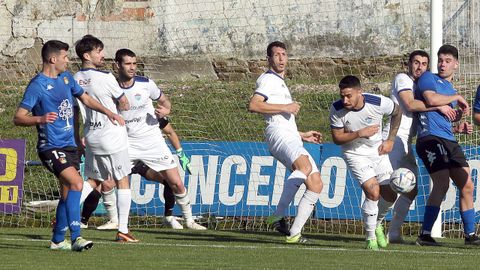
x: 426, y: 240
x: 125, y: 238
x: 81, y: 244
x: 64, y: 245
x: 472, y: 240
x: 296, y: 239
x: 108, y: 226
x: 195, y: 226
x: 395, y: 239
x: 372, y: 244
x: 83, y: 225
x: 279, y: 224
x: 171, y: 222
x: 381, y: 239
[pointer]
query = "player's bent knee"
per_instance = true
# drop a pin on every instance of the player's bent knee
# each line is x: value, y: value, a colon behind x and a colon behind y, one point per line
x: 314, y: 182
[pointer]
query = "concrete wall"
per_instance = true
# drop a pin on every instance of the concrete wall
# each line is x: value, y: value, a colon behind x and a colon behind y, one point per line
x: 162, y: 30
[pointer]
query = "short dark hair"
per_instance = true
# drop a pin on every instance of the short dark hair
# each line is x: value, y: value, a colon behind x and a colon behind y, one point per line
x: 275, y: 44
x: 448, y: 49
x: 87, y: 44
x: 52, y: 47
x: 418, y: 52
x: 349, y: 81
x: 123, y: 52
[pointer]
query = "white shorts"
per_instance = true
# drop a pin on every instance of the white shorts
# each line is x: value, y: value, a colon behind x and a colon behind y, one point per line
x: 287, y: 149
x: 402, y: 156
x: 364, y: 168
x: 156, y: 155
x: 100, y: 167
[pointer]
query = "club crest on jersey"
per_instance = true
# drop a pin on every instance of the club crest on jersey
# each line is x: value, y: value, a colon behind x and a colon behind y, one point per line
x: 368, y: 120
x: 138, y: 97
x: 65, y: 80
x: 62, y: 160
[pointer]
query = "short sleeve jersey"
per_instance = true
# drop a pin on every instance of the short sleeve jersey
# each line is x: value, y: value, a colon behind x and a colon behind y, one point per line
x: 401, y: 83
x: 45, y: 94
x: 141, y: 120
x: 375, y: 107
x: 273, y: 89
x: 433, y: 122
x: 101, y: 135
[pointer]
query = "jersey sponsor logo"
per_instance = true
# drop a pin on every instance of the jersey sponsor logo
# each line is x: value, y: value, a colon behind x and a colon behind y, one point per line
x: 84, y: 82
x: 141, y: 107
x: 134, y: 120
x: 66, y: 112
x: 95, y: 125
x: 49, y: 87
x: 65, y: 80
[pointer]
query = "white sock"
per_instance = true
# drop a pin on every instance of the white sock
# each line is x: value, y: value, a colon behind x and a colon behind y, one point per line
x: 86, y: 190
x: 369, y: 214
x: 124, y: 202
x: 400, y: 211
x: 290, y: 188
x: 305, y: 207
x: 383, y: 208
x: 184, y: 202
x: 110, y: 203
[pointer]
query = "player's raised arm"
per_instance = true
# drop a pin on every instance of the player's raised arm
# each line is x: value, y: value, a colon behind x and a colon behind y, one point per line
x: 258, y: 105
x: 95, y: 105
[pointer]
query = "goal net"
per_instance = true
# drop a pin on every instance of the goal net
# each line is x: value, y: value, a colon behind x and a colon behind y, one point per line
x: 206, y: 56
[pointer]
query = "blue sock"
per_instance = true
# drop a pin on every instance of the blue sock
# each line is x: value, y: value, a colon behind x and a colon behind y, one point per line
x: 73, y: 213
x: 61, y: 223
x: 431, y: 214
x: 468, y: 219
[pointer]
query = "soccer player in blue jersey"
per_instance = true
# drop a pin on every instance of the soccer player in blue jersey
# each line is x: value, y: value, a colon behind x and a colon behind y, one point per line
x: 48, y: 104
x: 440, y: 152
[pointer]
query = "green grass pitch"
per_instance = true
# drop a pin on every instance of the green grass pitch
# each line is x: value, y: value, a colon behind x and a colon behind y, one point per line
x: 27, y: 248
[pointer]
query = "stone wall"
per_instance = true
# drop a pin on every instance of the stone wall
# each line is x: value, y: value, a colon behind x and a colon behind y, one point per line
x: 183, y: 39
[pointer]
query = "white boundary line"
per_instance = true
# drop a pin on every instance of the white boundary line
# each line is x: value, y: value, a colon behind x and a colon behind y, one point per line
x: 280, y: 246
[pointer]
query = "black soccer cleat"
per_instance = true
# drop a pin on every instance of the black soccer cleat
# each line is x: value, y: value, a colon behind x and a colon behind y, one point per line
x: 472, y: 240
x: 426, y: 240
x: 279, y: 223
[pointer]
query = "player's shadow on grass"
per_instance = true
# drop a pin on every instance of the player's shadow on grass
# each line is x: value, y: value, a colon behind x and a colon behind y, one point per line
x: 249, y: 237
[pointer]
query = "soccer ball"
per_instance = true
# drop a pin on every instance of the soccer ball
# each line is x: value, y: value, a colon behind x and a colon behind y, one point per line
x: 402, y: 180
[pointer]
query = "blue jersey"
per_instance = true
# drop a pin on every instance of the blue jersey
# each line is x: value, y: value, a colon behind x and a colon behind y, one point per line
x: 434, y: 122
x: 476, y: 103
x: 44, y: 95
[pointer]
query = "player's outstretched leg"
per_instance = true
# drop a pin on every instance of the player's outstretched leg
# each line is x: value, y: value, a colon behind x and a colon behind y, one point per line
x: 290, y: 188
x: 305, y: 208
x: 168, y: 219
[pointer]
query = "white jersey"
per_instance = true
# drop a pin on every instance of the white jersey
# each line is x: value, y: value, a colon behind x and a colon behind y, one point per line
x: 273, y: 88
x: 402, y: 82
x: 375, y: 107
x: 144, y: 134
x: 101, y: 135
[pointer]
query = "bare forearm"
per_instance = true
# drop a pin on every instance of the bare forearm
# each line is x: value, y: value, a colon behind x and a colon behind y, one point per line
x: 434, y: 99
x: 27, y: 120
x: 344, y: 137
x: 263, y: 107
x: 394, y: 123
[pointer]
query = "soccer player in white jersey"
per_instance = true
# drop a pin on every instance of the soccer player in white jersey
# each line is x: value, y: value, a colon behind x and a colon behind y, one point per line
x: 149, y: 153
x: 272, y: 99
x: 356, y: 123
x: 106, y: 153
x: 402, y: 93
